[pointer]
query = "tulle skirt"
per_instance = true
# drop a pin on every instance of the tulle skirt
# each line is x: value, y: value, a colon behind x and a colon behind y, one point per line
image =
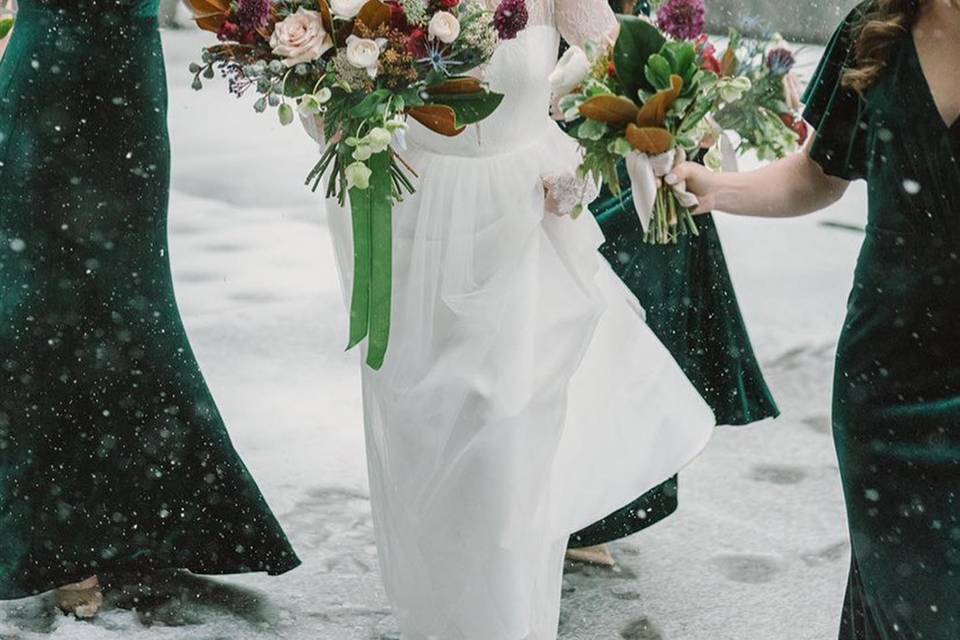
x: 523, y: 396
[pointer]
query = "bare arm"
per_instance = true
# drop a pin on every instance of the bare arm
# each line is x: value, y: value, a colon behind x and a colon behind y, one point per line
x: 794, y: 186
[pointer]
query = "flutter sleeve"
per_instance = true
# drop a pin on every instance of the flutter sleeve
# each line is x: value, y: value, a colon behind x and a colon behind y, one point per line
x: 582, y: 21
x: 837, y: 112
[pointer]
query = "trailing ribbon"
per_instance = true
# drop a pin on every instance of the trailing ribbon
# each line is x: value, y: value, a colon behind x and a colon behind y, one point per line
x: 646, y: 179
x: 372, y: 213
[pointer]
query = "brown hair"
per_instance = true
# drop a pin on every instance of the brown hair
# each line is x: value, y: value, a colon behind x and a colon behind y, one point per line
x: 882, y: 24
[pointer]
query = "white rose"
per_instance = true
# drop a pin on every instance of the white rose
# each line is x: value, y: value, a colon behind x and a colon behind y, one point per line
x: 346, y: 9
x: 444, y: 27
x: 300, y: 37
x: 364, y: 54
x: 570, y: 72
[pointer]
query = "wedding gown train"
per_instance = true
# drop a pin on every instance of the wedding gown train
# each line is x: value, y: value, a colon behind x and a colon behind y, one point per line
x: 496, y: 428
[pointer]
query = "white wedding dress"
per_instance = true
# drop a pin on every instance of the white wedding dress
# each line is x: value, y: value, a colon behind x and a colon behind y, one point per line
x: 523, y: 396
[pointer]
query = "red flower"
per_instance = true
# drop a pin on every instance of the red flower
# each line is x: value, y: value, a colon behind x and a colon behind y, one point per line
x: 705, y: 47
x: 417, y: 42
x: 708, y: 54
x: 398, y: 19
x: 797, y: 125
x: 710, y: 63
x: 229, y: 31
x: 612, y: 69
x: 449, y: 4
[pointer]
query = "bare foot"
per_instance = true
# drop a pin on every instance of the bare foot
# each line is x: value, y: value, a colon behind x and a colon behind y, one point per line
x: 599, y: 556
x: 82, y: 599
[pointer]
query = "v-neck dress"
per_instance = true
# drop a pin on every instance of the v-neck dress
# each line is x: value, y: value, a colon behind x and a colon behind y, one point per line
x: 897, y: 389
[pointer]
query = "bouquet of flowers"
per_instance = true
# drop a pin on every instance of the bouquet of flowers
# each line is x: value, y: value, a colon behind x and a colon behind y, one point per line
x: 360, y: 68
x: 648, y: 101
x: 767, y: 118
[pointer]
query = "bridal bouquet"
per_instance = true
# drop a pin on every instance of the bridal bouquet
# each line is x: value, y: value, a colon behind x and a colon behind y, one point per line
x: 360, y: 68
x: 767, y: 119
x: 648, y: 101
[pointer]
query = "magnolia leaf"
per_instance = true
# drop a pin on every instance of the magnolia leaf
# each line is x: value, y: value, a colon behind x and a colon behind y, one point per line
x: 638, y: 40
x: 654, y: 112
x: 5, y: 26
x: 468, y: 108
x: 325, y: 15
x: 374, y: 14
x: 461, y: 85
x: 209, y: 14
x: 438, y: 118
x: 649, y: 140
x: 612, y: 110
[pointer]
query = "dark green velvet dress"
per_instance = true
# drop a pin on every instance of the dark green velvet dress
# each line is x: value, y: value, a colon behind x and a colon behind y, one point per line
x: 113, y: 456
x: 692, y: 308
x: 897, y: 391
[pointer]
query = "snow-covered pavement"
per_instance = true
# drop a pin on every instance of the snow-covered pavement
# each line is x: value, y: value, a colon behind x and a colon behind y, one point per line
x: 757, y: 552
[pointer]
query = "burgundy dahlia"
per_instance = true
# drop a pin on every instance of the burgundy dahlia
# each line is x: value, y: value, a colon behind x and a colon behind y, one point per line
x: 780, y: 61
x: 253, y: 14
x: 683, y: 19
x: 511, y: 18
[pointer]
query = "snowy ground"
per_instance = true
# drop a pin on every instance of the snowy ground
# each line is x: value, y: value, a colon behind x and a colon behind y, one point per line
x: 758, y: 551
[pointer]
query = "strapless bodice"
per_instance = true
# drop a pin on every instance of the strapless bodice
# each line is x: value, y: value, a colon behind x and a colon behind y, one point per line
x: 519, y: 69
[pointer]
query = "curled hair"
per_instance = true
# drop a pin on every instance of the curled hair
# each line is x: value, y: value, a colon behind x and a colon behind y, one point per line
x: 883, y: 23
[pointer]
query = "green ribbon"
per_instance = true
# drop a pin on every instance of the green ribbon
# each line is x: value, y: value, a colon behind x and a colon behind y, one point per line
x: 372, y: 213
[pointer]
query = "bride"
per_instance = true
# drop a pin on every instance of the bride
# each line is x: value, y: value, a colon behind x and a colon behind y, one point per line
x: 496, y: 428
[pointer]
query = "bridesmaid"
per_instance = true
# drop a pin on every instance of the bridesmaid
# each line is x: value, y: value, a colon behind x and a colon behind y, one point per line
x: 691, y: 306
x: 113, y: 456
x: 886, y: 106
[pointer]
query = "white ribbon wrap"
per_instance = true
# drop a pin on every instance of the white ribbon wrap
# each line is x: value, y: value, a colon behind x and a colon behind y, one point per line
x: 646, y: 177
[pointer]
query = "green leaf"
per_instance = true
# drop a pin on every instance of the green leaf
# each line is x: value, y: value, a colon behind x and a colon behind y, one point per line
x: 658, y: 72
x: 370, y: 104
x: 5, y: 26
x: 638, y: 41
x: 469, y: 108
x: 592, y: 130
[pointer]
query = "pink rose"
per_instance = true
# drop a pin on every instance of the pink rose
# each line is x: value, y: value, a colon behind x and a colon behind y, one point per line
x: 300, y: 37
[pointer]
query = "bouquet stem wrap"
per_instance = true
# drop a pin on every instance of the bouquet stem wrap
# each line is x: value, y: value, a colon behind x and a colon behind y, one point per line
x: 372, y: 214
x: 663, y: 209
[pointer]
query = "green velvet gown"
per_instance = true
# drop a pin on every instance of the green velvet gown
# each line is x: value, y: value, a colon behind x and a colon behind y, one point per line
x: 897, y: 390
x: 692, y: 308
x: 113, y: 456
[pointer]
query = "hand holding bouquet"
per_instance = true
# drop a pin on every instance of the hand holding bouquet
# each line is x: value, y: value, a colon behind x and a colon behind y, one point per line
x: 360, y: 68
x: 647, y: 101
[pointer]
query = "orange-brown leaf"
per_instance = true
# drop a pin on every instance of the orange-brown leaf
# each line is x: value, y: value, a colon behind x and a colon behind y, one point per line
x: 649, y: 140
x: 374, y: 14
x: 612, y: 110
x: 209, y: 14
x: 205, y: 7
x: 211, y: 22
x: 325, y: 15
x: 437, y: 118
x: 457, y: 86
x: 654, y: 112
x: 728, y: 64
